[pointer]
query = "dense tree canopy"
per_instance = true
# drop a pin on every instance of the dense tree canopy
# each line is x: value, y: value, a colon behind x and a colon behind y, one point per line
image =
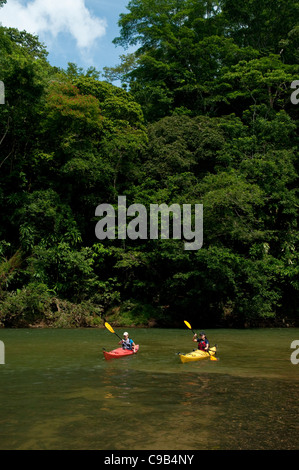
x: 204, y: 117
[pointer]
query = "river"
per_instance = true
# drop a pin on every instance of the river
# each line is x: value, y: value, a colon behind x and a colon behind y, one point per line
x: 58, y: 392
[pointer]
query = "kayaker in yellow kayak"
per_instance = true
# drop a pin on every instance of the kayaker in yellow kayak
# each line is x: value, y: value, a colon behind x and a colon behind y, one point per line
x: 127, y: 343
x: 203, y: 342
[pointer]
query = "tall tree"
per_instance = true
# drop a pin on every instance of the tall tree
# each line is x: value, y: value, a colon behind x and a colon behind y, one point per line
x: 184, y: 46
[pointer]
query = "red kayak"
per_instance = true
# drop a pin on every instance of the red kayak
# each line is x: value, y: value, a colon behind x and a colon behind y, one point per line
x: 120, y: 352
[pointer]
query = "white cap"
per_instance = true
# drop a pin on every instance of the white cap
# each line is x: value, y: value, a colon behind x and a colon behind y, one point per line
x: 126, y: 333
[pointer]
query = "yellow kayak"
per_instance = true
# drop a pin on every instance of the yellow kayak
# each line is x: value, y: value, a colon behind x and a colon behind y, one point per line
x: 197, y: 355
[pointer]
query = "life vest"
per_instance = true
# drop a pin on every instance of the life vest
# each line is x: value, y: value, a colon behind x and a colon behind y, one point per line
x: 127, y: 343
x: 203, y: 343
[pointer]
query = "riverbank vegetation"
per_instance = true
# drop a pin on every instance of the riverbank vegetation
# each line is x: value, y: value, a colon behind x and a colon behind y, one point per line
x: 204, y: 115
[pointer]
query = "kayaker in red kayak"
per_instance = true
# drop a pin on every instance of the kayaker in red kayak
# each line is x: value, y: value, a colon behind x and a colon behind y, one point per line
x: 203, y: 342
x: 127, y: 343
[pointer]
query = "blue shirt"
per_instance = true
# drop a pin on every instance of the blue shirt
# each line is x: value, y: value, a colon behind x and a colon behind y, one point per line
x: 127, y: 343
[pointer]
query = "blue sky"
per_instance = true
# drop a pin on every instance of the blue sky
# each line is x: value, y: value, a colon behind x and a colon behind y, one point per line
x: 79, y: 31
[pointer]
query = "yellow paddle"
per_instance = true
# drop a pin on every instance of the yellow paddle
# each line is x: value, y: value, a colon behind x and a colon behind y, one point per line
x: 212, y: 358
x: 109, y: 327
x: 189, y: 326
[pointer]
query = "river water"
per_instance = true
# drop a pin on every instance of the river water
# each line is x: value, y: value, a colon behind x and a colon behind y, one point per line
x: 58, y: 392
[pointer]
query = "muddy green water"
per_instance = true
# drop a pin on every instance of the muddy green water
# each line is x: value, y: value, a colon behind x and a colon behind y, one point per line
x: 58, y: 392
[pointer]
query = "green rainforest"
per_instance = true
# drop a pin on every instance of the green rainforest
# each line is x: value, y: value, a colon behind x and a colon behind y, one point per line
x: 205, y: 112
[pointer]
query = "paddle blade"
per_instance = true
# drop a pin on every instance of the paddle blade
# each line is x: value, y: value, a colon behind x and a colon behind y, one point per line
x: 109, y: 327
x: 188, y: 325
x: 213, y: 358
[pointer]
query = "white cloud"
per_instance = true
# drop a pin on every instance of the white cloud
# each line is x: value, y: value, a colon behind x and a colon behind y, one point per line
x: 44, y: 17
